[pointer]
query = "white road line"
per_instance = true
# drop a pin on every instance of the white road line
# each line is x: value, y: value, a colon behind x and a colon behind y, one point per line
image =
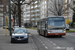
x: 51, y: 41
x: 46, y: 47
x: 54, y: 44
x: 48, y: 40
x: 58, y: 47
x: 43, y: 44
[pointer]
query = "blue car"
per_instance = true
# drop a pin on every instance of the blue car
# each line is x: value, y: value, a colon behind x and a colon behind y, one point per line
x: 20, y: 35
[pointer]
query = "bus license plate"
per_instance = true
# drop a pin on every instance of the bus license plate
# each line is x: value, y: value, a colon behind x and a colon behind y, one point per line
x: 56, y: 33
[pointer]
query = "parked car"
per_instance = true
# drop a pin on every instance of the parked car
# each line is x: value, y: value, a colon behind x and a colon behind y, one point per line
x: 15, y: 27
x: 67, y: 27
x: 5, y: 27
x: 20, y: 35
x: 22, y: 26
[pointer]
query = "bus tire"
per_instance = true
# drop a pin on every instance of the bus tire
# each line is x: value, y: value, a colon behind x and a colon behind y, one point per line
x: 60, y: 35
x: 39, y: 33
x: 45, y: 34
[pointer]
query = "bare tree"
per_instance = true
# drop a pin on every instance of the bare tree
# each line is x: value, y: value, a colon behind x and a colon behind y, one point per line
x: 1, y: 2
x: 56, y: 7
x: 72, y: 6
x: 19, y: 3
x: 14, y: 11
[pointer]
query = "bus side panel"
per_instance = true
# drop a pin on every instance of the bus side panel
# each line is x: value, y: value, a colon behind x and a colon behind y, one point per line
x: 38, y: 27
x: 49, y: 34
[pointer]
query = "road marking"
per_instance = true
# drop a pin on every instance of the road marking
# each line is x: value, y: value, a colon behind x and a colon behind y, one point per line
x: 48, y: 40
x: 67, y: 48
x: 51, y: 41
x: 54, y: 44
x: 58, y: 47
x: 46, y: 47
x: 43, y: 44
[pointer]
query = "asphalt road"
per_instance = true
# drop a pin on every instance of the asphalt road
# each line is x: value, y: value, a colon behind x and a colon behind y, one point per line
x: 37, y: 42
x: 53, y: 43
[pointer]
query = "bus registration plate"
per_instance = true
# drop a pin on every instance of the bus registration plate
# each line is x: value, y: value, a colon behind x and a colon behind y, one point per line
x: 56, y: 33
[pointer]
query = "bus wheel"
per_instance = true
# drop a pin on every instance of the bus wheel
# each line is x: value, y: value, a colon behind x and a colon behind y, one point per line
x: 39, y: 33
x: 60, y: 36
x: 45, y: 35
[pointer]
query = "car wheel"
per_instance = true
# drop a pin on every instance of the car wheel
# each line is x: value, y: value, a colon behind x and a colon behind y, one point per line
x: 12, y: 41
x: 27, y: 41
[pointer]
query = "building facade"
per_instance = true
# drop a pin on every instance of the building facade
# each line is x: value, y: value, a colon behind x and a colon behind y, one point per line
x: 1, y: 15
x: 35, y: 12
x: 40, y: 9
x: 26, y: 13
x: 3, y: 11
x: 68, y: 11
x: 32, y: 12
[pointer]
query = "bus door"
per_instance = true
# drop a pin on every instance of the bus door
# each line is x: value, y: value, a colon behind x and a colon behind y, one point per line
x: 43, y: 27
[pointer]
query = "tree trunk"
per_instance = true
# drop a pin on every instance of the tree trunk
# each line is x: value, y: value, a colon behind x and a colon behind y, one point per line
x: 73, y: 17
x: 19, y: 13
x: 14, y: 19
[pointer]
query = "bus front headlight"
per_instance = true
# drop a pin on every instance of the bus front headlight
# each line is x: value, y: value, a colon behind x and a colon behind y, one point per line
x: 49, y: 32
x: 64, y: 31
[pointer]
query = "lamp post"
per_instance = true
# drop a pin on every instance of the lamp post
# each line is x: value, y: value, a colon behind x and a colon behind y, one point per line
x: 10, y: 16
x: 67, y: 7
x: 47, y: 8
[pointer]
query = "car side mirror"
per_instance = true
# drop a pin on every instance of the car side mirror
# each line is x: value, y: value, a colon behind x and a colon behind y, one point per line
x: 28, y: 32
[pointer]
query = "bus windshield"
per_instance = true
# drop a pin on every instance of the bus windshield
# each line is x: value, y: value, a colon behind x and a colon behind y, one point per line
x: 56, y: 23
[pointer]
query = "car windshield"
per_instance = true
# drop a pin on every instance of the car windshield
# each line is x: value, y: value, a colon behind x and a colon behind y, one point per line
x: 20, y: 31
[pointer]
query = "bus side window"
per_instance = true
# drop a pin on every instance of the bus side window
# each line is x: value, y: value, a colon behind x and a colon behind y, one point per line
x: 45, y: 26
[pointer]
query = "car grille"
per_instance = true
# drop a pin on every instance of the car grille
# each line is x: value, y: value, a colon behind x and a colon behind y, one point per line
x: 19, y: 37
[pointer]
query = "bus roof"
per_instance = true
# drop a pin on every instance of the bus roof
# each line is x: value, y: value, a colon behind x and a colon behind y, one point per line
x: 50, y: 17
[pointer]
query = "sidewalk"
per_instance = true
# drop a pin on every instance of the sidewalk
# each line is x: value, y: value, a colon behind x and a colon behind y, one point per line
x: 3, y: 31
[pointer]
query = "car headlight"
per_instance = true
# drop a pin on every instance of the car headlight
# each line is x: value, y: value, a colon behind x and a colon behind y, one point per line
x: 26, y: 36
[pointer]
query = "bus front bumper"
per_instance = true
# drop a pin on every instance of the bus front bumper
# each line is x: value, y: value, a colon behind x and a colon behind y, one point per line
x: 56, y: 34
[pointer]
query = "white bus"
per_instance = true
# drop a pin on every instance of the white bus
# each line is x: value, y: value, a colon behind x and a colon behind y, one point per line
x: 51, y: 26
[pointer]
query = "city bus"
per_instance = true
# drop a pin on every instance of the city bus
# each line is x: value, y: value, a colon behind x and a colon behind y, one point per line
x: 51, y: 26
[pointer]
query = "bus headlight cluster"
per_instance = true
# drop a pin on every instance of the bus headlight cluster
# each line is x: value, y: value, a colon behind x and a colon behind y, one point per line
x: 49, y: 32
x: 64, y: 31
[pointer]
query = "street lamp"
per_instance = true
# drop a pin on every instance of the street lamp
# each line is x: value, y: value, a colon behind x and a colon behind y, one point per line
x: 10, y: 16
